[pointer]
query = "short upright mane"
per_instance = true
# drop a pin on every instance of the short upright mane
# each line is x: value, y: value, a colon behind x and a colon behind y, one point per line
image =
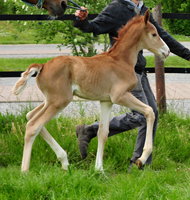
x: 122, y: 31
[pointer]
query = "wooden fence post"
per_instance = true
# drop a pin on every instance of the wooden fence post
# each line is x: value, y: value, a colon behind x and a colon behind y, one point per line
x: 159, y: 68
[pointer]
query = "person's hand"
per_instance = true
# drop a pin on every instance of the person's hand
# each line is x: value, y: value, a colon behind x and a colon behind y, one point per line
x: 81, y: 14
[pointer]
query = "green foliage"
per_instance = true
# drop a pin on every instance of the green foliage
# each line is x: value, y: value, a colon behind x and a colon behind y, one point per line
x: 177, y: 26
x: 2, y: 7
x: 18, y: 7
x: 151, y: 4
x: 80, y: 43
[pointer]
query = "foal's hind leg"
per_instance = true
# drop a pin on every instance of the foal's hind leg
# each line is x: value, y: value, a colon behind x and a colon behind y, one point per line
x: 31, y: 114
x: 61, y: 154
x: 34, y: 126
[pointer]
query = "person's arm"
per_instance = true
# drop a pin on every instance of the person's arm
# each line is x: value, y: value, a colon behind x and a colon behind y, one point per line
x: 175, y: 47
x: 103, y: 23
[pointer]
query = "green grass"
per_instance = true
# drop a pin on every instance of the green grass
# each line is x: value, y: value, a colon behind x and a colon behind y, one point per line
x: 167, y: 178
x: 52, y: 183
x: 181, y: 38
x: 171, y: 61
x: 20, y: 64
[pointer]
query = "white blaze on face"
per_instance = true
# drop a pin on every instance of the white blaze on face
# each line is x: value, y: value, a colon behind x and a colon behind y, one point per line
x: 154, y: 43
x: 164, y: 50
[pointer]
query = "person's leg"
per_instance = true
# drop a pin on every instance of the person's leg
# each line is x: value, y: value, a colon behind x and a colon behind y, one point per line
x: 117, y: 125
x: 142, y: 129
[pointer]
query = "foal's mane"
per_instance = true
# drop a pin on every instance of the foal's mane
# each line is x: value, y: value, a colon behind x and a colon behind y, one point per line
x: 126, y: 29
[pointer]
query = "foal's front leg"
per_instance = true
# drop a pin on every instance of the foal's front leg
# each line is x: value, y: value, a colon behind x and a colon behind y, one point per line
x: 133, y: 103
x: 103, y: 132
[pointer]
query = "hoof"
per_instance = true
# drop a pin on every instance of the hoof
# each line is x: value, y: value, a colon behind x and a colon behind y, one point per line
x: 139, y: 164
x: 65, y: 167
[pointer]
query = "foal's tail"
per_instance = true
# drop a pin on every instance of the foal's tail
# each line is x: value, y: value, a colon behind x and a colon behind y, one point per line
x: 25, y: 76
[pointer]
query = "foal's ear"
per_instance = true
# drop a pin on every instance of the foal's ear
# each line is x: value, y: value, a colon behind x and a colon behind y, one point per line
x: 146, y: 16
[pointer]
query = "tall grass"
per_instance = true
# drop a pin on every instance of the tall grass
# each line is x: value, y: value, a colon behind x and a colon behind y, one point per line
x: 167, y: 177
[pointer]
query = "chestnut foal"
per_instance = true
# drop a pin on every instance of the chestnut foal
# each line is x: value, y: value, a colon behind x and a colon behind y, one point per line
x: 108, y: 77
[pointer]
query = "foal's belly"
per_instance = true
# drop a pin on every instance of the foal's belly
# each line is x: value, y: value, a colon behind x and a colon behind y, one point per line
x: 91, y: 95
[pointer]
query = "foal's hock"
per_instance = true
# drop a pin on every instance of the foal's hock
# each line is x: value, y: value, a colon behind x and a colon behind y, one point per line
x: 108, y: 77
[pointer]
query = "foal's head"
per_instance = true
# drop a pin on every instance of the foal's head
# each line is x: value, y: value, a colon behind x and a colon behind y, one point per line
x: 141, y: 32
x: 151, y: 40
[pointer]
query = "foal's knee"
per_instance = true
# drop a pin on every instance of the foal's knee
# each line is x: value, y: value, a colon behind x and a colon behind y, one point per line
x: 149, y: 113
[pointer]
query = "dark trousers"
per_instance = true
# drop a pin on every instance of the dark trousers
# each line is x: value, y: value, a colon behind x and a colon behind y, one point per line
x: 134, y: 119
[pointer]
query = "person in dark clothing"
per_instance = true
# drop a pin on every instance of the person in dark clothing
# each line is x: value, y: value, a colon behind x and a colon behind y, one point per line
x: 110, y: 20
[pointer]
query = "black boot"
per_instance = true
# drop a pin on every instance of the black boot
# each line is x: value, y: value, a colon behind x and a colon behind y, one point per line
x: 84, y: 133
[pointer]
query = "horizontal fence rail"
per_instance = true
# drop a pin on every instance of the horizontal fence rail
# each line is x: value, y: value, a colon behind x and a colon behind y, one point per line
x: 175, y: 16
x: 40, y: 17
x: 72, y: 17
x: 90, y: 16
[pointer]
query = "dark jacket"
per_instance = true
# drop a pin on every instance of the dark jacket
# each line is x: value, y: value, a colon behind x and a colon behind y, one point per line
x: 118, y: 13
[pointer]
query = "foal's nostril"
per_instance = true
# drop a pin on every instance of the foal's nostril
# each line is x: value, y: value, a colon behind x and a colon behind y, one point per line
x: 63, y: 5
x: 164, y: 55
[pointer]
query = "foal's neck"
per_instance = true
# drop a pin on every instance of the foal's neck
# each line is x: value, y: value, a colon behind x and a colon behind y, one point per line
x: 127, y: 50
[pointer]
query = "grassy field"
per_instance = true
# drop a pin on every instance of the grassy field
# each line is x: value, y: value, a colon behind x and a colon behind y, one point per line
x: 20, y: 64
x: 167, y: 178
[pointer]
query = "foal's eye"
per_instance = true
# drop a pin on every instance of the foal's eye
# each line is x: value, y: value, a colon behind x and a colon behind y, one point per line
x: 154, y: 35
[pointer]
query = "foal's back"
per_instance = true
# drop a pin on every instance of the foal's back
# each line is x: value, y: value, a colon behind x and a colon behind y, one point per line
x: 89, y: 78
